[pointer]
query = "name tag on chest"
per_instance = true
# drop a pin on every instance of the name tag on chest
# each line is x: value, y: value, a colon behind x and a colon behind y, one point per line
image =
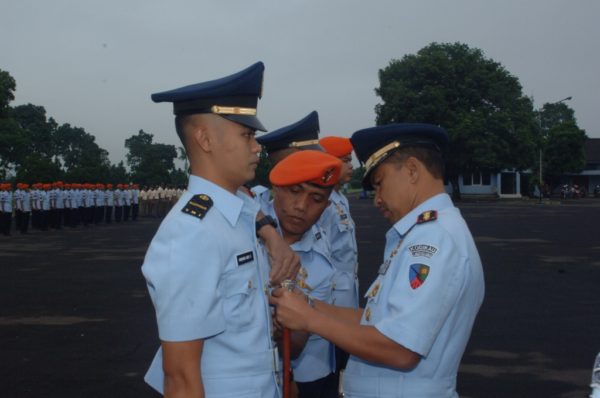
x: 245, y: 258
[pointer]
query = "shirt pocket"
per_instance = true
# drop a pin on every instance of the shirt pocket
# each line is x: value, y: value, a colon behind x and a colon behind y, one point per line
x: 343, y: 281
x: 240, y: 292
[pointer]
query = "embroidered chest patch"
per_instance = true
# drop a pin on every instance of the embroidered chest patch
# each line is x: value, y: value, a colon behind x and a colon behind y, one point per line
x: 422, y: 250
x: 417, y: 275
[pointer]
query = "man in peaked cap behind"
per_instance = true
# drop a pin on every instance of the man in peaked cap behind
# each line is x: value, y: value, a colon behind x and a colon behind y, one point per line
x: 303, y: 134
x: 409, y: 339
x: 205, y: 273
x: 280, y: 143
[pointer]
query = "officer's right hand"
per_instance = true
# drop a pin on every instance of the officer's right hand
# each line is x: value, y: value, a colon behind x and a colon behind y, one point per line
x: 291, y: 309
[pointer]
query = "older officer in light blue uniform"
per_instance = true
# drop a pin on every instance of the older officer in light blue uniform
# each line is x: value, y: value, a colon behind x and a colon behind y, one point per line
x: 302, y: 183
x: 204, y: 270
x: 409, y: 339
x: 278, y: 144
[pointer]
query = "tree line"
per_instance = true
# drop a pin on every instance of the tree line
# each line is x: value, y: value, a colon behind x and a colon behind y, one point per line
x: 493, y: 126
x: 35, y: 148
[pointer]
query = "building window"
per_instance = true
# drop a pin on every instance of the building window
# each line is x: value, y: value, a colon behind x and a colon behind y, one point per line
x: 486, y: 179
x: 477, y: 179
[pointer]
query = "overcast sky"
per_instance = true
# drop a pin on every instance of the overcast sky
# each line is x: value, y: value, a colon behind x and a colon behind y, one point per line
x: 94, y: 64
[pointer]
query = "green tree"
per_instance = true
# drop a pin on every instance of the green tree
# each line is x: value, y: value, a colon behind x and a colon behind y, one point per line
x: 564, y: 150
x: 82, y: 158
x: 357, y: 176
x: 39, y: 130
x: 178, y: 177
x: 561, y: 140
x: 7, y: 88
x: 481, y: 105
x: 261, y: 176
x: 118, y: 174
x: 36, y: 168
x: 150, y: 163
x: 137, y: 146
x: 13, y: 142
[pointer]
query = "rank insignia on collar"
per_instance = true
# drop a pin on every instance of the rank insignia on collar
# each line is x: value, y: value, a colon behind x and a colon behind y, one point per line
x: 426, y: 216
x: 198, y: 206
x: 373, y: 292
x: 368, y: 314
x: 417, y: 275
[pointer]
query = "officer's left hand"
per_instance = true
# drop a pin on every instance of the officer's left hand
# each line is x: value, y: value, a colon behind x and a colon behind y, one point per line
x: 291, y: 309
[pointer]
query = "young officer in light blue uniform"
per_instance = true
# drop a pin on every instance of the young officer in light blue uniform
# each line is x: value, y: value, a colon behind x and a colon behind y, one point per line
x: 340, y: 229
x: 204, y: 270
x: 409, y: 339
x: 302, y: 183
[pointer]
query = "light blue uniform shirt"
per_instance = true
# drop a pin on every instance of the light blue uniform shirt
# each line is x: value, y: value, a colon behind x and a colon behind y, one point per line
x: 109, y: 198
x: 206, y: 281
x: 433, y: 317
x: 45, y: 198
x: 262, y: 196
x: 315, y: 279
x: 59, y: 198
x: 340, y: 232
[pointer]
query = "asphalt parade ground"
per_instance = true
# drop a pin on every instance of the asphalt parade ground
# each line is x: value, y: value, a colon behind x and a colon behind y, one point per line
x: 76, y: 320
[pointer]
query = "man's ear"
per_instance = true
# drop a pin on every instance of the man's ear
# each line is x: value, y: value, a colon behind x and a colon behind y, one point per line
x: 413, y: 166
x: 199, y: 134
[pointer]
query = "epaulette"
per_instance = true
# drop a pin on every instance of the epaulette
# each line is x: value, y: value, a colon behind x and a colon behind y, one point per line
x: 198, y: 206
x: 426, y: 216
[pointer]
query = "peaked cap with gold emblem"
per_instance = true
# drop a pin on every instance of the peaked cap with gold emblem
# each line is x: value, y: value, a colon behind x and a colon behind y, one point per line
x: 233, y: 97
x: 303, y: 134
x: 374, y: 145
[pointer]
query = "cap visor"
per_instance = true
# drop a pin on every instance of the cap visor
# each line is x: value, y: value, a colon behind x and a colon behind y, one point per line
x: 246, y: 120
x: 366, y: 181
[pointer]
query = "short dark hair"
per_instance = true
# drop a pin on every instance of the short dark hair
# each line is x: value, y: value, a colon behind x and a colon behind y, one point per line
x: 180, y: 122
x: 431, y: 158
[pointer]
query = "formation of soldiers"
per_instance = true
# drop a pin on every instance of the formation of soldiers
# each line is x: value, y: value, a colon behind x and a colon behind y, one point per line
x: 47, y: 206
x: 156, y: 201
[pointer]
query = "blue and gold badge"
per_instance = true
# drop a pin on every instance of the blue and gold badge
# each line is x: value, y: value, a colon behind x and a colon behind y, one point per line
x: 198, y: 206
x: 417, y: 275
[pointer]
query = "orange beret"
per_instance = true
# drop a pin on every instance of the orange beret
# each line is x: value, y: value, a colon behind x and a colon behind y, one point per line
x: 336, y: 146
x: 309, y: 166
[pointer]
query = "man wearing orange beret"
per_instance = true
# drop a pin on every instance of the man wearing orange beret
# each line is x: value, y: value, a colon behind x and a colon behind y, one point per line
x: 340, y: 231
x: 302, y: 184
x: 6, y: 197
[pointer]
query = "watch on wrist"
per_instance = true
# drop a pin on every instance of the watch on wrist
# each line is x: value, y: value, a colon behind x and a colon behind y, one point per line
x: 266, y: 220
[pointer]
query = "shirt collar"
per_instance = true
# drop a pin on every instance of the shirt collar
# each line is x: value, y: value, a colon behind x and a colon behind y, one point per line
x: 228, y: 204
x: 335, y: 196
x: 306, y: 242
x: 437, y: 202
